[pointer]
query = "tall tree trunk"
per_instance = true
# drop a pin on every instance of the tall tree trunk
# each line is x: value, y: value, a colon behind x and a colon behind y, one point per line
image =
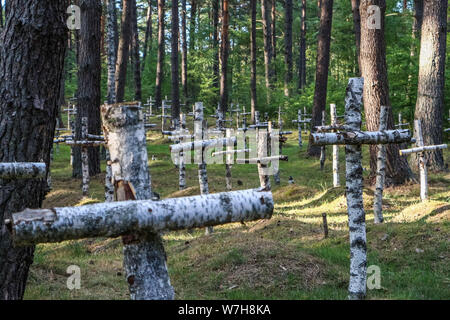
x: 273, y: 19
x: 89, y: 77
x: 268, y: 57
x: 253, y: 59
x: 302, y: 55
x: 415, y: 39
x: 288, y: 46
x: 184, y: 82
x: 215, y: 18
x: 192, y: 26
x: 112, y: 52
x: 136, y: 53
x: 322, y: 65
x: 430, y: 93
x: 174, y: 63
x: 124, y: 50
x: 148, y: 35
x: 376, y: 93
x: 357, y: 30
x: 29, y: 95
x: 161, y: 52
x: 225, y: 45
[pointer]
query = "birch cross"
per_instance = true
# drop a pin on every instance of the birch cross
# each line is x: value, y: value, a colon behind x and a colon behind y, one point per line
x: 421, y: 149
x: 351, y: 136
x: 135, y: 218
x: 299, y: 122
x: 381, y: 171
x: 22, y: 170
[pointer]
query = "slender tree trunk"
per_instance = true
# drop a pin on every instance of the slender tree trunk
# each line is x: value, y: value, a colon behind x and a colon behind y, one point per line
x: 269, y: 73
x: 225, y: 44
x: 136, y: 54
x: 322, y: 65
x: 161, y: 52
x: 124, y: 50
x: 415, y: 37
x: 112, y: 52
x: 29, y: 96
x: 89, y: 78
x: 192, y: 26
x: 253, y: 59
x: 273, y: 19
x: 184, y: 82
x: 148, y: 35
x: 174, y: 63
x: 376, y: 93
x: 357, y: 30
x: 302, y: 55
x: 430, y: 93
x: 215, y: 14
x: 288, y: 46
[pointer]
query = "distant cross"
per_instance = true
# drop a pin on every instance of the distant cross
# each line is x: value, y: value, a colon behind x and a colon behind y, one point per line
x: 421, y: 149
x: 353, y: 139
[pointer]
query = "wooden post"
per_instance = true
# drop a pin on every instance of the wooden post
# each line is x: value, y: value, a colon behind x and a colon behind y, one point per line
x: 325, y: 225
x: 182, y: 162
x: 299, y: 119
x: 229, y: 162
x: 144, y: 255
x: 262, y: 136
x: 336, y: 180
x: 381, y: 171
x: 84, y: 157
x: 322, y: 149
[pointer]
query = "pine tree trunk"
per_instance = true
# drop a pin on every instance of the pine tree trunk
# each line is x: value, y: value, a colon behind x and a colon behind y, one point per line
x: 288, y: 46
x: 268, y: 67
x: 192, y: 26
x: 148, y: 35
x: 357, y: 30
x: 430, y: 93
x: 29, y: 96
x: 253, y: 59
x: 376, y: 94
x: 89, y: 77
x: 273, y: 19
x: 322, y: 65
x: 184, y: 82
x: 216, y: 71
x: 112, y: 52
x: 123, y: 50
x: 161, y: 52
x: 225, y: 44
x: 136, y: 53
x: 302, y: 55
x: 174, y: 62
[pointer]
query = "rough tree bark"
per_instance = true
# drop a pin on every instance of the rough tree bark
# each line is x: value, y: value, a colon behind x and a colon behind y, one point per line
x: 29, y: 95
x: 268, y: 57
x: 288, y: 46
x: 273, y: 36
x: 323, y: 62
x: 123, y: 50
x: 192, y: 26
x: 253, y: 82
x: 216, y: 63
x: 89, y: 78
x: 174, y: 62
x: 430, y: 93
x: 376, y: 93
x: 161, y: 52
x: 225, y: 45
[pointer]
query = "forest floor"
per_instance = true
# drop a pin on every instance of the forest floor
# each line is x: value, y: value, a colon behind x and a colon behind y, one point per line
x: 286, y: 257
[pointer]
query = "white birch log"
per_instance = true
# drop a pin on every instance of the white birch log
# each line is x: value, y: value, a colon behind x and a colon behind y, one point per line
x: 263, y: 143
x: 357, y: 137
x: 202, y: 144
x: 381, y: 171
x: 336, y: 180
x: 423, y: 149
x: 22, y: 170
x: 144, y: 255
x: 109, y: 187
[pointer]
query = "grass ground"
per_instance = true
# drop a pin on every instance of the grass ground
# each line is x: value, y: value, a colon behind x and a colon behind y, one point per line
x: 284, y: 258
